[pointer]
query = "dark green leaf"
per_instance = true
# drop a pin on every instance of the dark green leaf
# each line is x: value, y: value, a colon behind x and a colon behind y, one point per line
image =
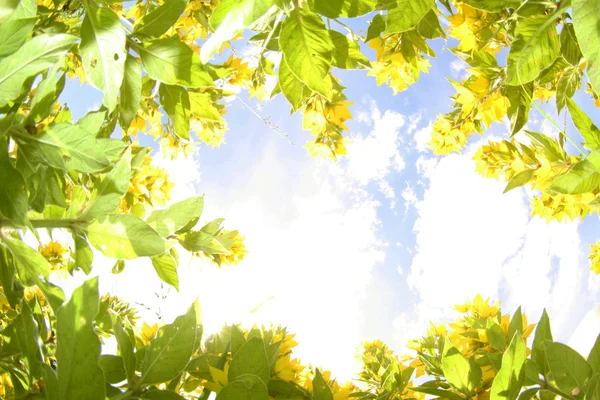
x: 159, y: 20
x: 407, y: 14
x: 569, y: 46
x: 171, y: 350
x: 162, y: 395
x: 594, y: 356
x: 520, y: 104
x: 112, y: 367
x: 13, y: 193
x: 250, y: 359
x: 429, y: 27
x: 176, y: 102
x: 495, y: 335
x: 569, y: 369
x: 131, y: 92
x: 30, y: 263
x: 250, y: 387
x: 78, y: 346
x: 83, y: 254
x: 493, y: 6
x: 126, y: 348
x: 376, y: 27
x: 292, y: 88
x: 346, y: 53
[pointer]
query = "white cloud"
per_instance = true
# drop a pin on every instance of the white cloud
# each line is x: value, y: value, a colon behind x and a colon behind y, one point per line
x: 409, y: 196
x: 422, y: 138
x: 458, y: 68
x: 312, y: 246
x: 375, y: 157
x: 471, y: 238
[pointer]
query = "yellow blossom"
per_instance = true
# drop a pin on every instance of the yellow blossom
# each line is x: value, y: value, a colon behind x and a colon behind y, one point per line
x: 594, y: 257
x: 219, y: 378
x: 55, y: 253
x: 493, y: 108
x: 543, y: 94
x: 234, y: 243
x: 147, y: 333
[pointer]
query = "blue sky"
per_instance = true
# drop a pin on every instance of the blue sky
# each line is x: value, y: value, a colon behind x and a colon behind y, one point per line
x: 374, y: 245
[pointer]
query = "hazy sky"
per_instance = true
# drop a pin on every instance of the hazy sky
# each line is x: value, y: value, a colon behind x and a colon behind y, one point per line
x: 375, y: 245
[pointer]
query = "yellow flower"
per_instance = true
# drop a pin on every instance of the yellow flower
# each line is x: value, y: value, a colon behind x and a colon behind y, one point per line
x: 445, y: 138
x: 594, y: 257
x: 543, y: 94
x: 150, y: 184
x: 594, y: 95
x: 147, y: 333
x: 558, y: 206
x: 286, y: 369
x: 241, y: 74
x: 234, y: 243
x: 219, y: 378
x: 493, y: 108
x: 55, y: 253
x: 210, y: 132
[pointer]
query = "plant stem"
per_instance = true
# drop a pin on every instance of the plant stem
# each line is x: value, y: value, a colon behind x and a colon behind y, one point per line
x: 544, y: 385
x: 45, y: 223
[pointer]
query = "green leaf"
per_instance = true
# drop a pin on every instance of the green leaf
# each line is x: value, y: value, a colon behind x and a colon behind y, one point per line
x: 493, y: 6
x: 46, y: 94
x: 65, y: 146
x: 250, y: 359
x: 35, y: 56
x: 586, y: 22
x: 228, y: 19
x: 92, y: 121
x: 13, y: 34
x: 167, y: 222
x: 83, y: 254
x: 516, y: 324
x: 166, y: 269
x: 520, y: 104
x: 13, y: 289
x: 528, y: 394
x: 103, y: 51
x: 568, y: 84
x: 196, y: 241
x: 593, y: 390
x: 171, y: 350
x: 429, y: 27
x: 376, y: 27
x: 176, y: 102
x: 594, y: 356
x: 11, y: 10
x: 321, y: 391
x: 159, y: 20
x: 349, y: 8
x: 78, y: 346
x: 569, y: 368
x: 110, y: 189
x: 589, y: 131
x: 459, y: 372
x: 509, y: 380
x: 28, y: 338
x: 444, y: 394
x: 112, y: 367
x: 495, y: 335
x: 249, y: 387
x: 519, y: 180
x: 535, y: 47
x: 131, y: 92
x: 162, y: 395
x: 126, y: 348
x: 292, y: 88
x: 30, y: 264
x: 53, y: 293
x: 174, y: 63
x: 407, y: 15
x: 125, y: 237
x: 581, y: 178
x: 13, y: 193
x: 307, y: 49
x: 569, y: 46
x: 201, y: 105
x: 549, y: 147
x: 346, y: 53
x: 543, y: 333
